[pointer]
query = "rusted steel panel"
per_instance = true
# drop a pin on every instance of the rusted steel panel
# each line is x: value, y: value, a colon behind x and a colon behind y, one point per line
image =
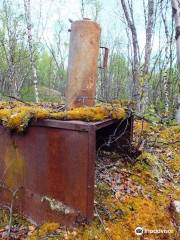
x: 71, y: 124
x: 52, y: 164
x: 82, y: 64
x: 91, y: 171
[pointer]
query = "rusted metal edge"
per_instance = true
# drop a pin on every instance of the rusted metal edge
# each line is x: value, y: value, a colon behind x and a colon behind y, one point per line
x: 104, y: 123
x: 72, y: 124
x: 91, y: 172
x: 76, y: 125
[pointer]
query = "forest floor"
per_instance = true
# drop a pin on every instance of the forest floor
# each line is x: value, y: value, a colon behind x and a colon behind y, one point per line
x: 130, y: 193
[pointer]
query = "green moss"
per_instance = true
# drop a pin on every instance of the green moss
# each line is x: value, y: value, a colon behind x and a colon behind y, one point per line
x: 102, y: 191
x: 44, y: 230
x: 4, y: 218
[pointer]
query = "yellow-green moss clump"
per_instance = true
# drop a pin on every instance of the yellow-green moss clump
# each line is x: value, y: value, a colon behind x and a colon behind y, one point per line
x: 44, y: 231
x: 170, y: 134
x: 15, y: 115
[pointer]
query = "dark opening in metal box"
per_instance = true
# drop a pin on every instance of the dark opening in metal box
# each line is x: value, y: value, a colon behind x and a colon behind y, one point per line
x: 51, y: 166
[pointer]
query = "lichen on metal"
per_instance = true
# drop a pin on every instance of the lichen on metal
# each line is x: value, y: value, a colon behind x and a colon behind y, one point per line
x: 58, y: 206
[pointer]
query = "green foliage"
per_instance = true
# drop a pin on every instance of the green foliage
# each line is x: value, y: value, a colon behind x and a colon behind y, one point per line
x: 45, y: 94
x: 50, y: 73
x: 157, y: 91
x: 45, y: 68
x: 115, y: 81
x: 27, y: 94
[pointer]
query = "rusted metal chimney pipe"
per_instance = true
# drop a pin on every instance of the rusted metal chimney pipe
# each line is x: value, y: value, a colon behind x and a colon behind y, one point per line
x: 82, y: 63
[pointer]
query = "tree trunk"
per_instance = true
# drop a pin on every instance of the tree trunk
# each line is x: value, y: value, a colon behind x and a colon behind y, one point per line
x: 176, y: 14
x: 136, y: 60
x: 30, y: 42
x: 149, y: 20
x: 140, y: 71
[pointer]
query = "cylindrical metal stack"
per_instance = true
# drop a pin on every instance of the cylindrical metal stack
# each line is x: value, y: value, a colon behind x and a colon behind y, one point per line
x: 82, y: 63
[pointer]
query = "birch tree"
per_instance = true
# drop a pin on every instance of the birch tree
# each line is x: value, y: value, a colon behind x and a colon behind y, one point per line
x: 166, y: 62
x: 90, y: 9
x: 136, y: 56
x: 149, y: 24
x: 176, y: 15
x: 139, y: 70
x: 14, y: 62
x: 27, y: 5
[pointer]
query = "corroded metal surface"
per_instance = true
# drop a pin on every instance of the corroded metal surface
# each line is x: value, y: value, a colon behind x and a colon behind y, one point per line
x: 82, y: 64
x: 52, y: 167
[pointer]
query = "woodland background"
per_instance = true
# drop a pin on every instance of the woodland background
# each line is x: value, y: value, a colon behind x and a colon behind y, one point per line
x: 137, y: 188
x: 142, y: 61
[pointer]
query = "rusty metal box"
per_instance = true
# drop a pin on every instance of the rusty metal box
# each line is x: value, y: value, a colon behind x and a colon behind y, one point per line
x: 52, y: 166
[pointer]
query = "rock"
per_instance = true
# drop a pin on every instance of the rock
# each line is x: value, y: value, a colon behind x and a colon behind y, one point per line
x: 31, y: 228
x: 178, y: 115
x: 175, y: 211
x: 177, y: 206
x: 119, y: 213
x: 4, y: 235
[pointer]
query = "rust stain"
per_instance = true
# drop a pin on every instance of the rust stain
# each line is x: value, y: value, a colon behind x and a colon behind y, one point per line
x: 54, y: 162
x: 82, y: 63
x: 14, y: 167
